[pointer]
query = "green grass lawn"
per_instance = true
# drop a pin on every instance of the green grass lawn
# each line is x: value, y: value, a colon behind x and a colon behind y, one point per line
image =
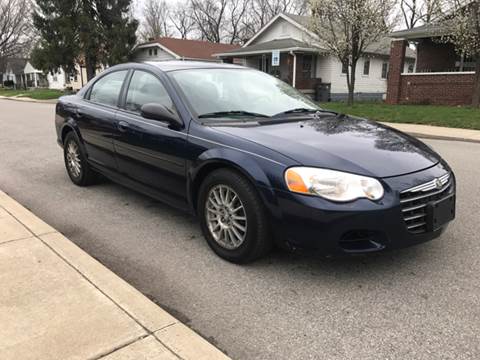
x: 449, y: 116
x: 38, y: 94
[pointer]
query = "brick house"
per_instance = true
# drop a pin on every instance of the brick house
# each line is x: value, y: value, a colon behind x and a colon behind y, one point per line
x: 441, y: 75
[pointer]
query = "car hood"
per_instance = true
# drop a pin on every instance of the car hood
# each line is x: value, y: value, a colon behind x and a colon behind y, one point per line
x: 343, y: 143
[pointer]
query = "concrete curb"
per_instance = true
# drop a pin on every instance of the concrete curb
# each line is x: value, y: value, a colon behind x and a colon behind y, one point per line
x: 158, y: 325
x: 27, y: 99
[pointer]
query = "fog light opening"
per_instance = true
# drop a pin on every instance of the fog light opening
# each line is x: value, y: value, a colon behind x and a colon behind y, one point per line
x: 362, y: 241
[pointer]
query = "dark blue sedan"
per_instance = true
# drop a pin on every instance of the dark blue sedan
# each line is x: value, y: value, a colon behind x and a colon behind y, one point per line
x: 257, y: 161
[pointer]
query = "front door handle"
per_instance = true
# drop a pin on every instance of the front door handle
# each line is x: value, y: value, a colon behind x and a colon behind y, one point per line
x: 123, y: 126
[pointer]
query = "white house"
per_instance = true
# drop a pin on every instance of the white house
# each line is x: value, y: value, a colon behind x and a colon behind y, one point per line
x: 57, y: 80
x: 305, y: 64
x: 22, y: 74
x: 168, y: 48
x: 61, y: 81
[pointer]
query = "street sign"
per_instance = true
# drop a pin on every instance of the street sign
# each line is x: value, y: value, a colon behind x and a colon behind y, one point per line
x: 276, y: 58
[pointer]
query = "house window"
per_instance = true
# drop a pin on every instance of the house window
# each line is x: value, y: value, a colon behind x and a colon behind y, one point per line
x: 150, y: 52
x: 155, y: 52
x: 384, y: 70
x: 344, y: 68
x: 410, y: 68
x: 366, y: 67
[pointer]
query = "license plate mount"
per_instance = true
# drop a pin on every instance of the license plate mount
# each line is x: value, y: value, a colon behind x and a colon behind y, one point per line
x: 440, y: 212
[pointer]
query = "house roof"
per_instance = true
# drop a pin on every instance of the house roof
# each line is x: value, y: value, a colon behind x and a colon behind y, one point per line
x: 381, y: 47
x: 424, y: 31
x: 190, y: 49
x: 299, y: 21
x: 279, y: 44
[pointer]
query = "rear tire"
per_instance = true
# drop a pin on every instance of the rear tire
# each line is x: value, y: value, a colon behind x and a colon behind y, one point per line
x: 76, y: 162
x: 233, y: 217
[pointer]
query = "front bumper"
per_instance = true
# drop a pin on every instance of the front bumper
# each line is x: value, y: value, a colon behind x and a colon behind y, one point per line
x: 361, y: 226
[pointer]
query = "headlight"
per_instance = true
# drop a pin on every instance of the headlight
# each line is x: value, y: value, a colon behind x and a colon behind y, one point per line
x: 332, y: 185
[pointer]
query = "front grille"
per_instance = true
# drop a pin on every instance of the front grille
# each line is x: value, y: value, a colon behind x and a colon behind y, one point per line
x: 414, y: 202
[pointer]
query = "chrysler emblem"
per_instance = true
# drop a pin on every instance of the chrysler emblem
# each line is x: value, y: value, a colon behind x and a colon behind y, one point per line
x: 438, y: 183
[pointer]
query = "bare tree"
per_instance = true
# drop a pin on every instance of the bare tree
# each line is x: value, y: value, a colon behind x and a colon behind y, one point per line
x: 210, y: 17
x: 15, y: 28
x: 155, y: 20
x: 348, y: 27
x: 416, y: 12
x: 433, y: 10
x: 237, y: 10
x: 463, y: 30
x: 410, y: 12
x: 181, y: 17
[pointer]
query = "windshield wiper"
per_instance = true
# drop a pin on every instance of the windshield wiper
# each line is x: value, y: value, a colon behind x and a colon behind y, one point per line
x: 231, y: 113
x: 302, y: 111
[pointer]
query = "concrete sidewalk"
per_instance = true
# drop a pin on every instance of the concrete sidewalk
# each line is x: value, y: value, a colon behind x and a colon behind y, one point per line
x: 437, y: 132
x: 57, y: 302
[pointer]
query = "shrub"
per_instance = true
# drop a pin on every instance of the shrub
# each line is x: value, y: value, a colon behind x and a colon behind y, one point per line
x: 9, y: 83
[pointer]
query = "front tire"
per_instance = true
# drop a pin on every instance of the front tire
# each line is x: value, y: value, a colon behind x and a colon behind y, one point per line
x: 232, y: 217
x: 76, y: 163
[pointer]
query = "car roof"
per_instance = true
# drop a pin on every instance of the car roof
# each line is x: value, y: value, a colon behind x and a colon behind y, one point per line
x: 172, y: 65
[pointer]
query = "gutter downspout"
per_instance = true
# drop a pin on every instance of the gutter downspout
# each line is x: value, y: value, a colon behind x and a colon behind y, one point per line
x: 294, y: 75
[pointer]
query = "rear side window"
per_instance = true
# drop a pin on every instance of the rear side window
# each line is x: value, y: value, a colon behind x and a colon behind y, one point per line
x: 107, y: 89
x: 145, y: 88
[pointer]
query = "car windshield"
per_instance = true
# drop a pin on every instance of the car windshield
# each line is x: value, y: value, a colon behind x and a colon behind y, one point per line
x: 233, y: 93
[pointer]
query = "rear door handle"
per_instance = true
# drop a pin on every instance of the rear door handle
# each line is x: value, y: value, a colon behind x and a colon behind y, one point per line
x: 123, y: 126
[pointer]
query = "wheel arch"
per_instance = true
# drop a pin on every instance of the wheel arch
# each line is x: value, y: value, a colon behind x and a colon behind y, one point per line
x: 225, y: 159
x: 68, y: 127
x: 65, y: 130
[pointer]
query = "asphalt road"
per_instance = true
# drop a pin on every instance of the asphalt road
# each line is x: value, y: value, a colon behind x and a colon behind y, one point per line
x: 418, y: 303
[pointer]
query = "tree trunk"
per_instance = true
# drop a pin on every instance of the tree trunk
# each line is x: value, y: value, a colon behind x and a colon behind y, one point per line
x: 90, y: 66
x: 476, y: 84
x: 351, y: 83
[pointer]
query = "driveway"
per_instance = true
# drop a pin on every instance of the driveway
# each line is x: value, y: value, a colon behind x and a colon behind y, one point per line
x: 418, y: 303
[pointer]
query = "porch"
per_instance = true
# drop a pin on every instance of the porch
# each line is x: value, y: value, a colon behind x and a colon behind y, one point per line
x: 441, y: 76
x: 35, y: 80
x: 297, y: 63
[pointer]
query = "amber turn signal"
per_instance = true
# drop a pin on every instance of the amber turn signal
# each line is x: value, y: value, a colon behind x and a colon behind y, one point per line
x: 295, y: 182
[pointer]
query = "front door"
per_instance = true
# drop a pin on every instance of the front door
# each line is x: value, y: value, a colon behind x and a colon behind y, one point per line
x: 148, y: 150
x: 96, y: 118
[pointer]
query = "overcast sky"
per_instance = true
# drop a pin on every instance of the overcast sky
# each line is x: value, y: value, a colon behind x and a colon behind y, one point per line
x: 138, y: 5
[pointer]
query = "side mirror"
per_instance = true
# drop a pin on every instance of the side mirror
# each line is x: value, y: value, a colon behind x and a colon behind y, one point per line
x: 159, y: 112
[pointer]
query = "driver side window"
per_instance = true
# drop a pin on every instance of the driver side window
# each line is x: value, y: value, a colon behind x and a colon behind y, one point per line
x: 145, y: 88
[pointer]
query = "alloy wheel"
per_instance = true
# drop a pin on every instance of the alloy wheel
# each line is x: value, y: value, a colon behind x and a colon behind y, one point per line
x: 226, y: 217
x: 73, y: 159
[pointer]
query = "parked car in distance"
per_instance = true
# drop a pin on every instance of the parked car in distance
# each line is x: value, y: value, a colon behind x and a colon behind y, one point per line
x: 256, y: 160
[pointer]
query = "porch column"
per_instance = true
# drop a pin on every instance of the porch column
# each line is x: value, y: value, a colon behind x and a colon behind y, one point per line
x: 35, y: 83
x: 395, y: 69
x: 294, y: 75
